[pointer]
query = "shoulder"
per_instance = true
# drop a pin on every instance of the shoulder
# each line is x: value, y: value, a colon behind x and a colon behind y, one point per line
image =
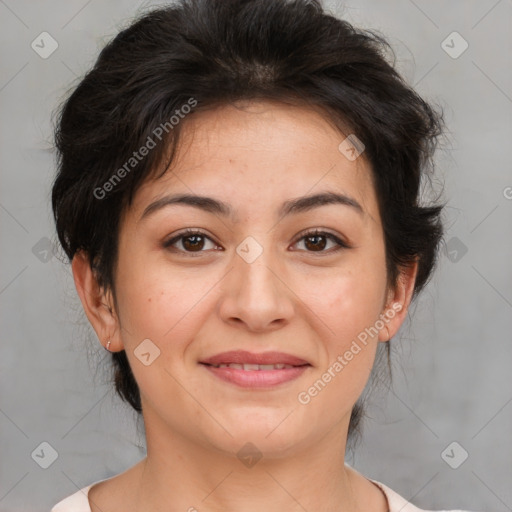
x: 77, y: 502
x: 399, y: 504
x: 105, y: 494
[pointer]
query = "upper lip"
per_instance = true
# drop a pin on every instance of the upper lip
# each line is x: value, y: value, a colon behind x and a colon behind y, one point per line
x: 242, y: 356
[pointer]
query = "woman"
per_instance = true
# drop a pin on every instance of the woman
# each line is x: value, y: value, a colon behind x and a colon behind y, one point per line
x: 238, y: 193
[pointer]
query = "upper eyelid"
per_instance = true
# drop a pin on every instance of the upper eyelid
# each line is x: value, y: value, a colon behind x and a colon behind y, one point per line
x: 186, y: 233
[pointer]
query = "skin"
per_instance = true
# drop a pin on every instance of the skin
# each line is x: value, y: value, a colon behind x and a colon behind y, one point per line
x: 311, y: 303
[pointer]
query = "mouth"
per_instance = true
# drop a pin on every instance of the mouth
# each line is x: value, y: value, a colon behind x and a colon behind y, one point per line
x: 251, y: 361
x: 252, y: 370
x: 255, y: 367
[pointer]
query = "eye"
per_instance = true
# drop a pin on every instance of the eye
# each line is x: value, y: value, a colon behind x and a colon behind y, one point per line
x: 190, y: 241
x: 317, y: 241
x: 195, y: 241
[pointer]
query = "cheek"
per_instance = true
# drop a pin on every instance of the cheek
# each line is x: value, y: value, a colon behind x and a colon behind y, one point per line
x: 167, y: 306
x: 349, y: 301
x: 165, y: 309
x: 348, y: 306
x: 156, y: 305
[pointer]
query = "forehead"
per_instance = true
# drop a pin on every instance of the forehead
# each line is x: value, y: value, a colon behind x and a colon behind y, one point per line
x: 255, y: 152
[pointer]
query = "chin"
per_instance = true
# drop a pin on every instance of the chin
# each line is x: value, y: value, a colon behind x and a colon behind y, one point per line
x: 271, y: 439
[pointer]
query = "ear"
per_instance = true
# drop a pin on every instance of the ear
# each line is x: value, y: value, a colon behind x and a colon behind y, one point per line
x: 397, y: 304
x: 98, y: 303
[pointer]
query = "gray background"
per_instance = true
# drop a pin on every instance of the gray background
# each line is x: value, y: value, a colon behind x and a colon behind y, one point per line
x: 452, y: 362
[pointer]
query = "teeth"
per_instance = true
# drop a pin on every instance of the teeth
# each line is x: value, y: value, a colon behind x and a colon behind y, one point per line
x: 254, y: 367
x: 269, y: 366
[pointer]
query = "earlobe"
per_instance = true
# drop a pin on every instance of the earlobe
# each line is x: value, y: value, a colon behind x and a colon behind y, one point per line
x: 96, y: 301
x: 398, y: 302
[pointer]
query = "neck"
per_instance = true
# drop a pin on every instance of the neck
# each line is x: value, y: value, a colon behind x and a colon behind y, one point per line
x: 182, y: 475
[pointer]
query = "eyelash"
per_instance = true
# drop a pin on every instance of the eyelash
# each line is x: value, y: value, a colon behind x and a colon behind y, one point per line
x: 316, y: 232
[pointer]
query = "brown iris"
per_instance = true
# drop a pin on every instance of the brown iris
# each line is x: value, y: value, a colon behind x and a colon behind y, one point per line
x: 315, y: 244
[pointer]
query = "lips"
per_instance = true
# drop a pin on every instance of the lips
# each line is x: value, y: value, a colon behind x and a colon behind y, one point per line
x: 264, y: 358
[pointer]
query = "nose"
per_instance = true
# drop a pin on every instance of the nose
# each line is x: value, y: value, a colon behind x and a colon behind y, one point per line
x: 255, y: 295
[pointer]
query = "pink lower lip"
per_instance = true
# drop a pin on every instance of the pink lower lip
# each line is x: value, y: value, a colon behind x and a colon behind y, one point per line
x: 257, y: 378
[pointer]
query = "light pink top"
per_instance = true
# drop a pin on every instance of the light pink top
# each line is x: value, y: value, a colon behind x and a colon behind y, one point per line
x: 79, y: 501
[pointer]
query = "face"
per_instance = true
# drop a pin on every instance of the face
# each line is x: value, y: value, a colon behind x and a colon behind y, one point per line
x: 256, y: 278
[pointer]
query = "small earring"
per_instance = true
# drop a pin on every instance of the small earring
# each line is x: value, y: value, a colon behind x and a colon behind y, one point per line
x: 108, y: 345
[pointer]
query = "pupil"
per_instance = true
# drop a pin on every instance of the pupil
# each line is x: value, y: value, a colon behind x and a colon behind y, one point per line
x: 195, y: 244
x: 315, y: 244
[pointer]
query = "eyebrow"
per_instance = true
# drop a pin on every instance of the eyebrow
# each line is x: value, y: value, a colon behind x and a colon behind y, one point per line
x: 292, y: 206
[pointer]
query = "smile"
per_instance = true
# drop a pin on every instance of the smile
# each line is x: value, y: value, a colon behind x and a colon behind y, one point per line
x: 255, y: 375
x: 253, y: 367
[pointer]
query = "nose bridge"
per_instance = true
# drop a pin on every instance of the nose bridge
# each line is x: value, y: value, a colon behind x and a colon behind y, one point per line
x: 256, y: 293
x: 256, y: 265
